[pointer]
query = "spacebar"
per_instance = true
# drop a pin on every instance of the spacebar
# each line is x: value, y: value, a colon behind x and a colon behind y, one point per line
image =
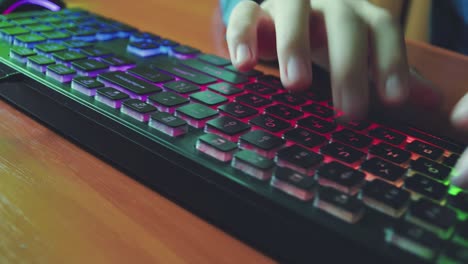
x: 171, y: 66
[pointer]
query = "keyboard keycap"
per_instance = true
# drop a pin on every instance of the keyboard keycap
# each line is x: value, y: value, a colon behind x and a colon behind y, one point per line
x: 224, y: 88
x: 137, y: 109
x: 316, y: 124
x: 214, y: 71
x: 299, y: 159
x: 196, y: 114
x: 39, y: 62
x: 251, y: 73
x: 167, y: 101
x: 430, y: 168
x: 216, y: 147
x: 340, y: 177
x: 181, y: 87
x: 185, y: 50
x: 95, y: 52
x: 341, y: 205
x: 21, y: 54
x: 319, y: 110
x: 289, y: 99
x: 173, y: 67
x: 260, y: 88
x: 425, y: 150
x: 237, y: 110
x: 269, y: 123
x: 168, y: 124
x: 48, y: 48
x: 271, y: 81
x: 304, y: 137
x: 383, y: 169
x: 118, y: 63
x: 284, y: 112
x: 426, y: 186
x: 387, y: 135
x: 86, y: 85
x: 213, y: 59
x: 89, y: 67
x: 253, y: 164
x: 60, y: 73
x: 454, y: 253
x: 253, y: 100
x: 390, y: 153
x: 121, y: 80
x: 451, y: 160
x: 294, y: 183
x: 414, y: 239
x: 352, y: 138
x: 111, y: 97
x: 56, y: 35
x: 342, y: 152
x: 208, y: 98
x: 385, y: 197
x: 433, y: 217
x: 262, y: 142
x: 150, y: 74
x: 353, y: 124
x: 226, y: 125
x: 459, y: 201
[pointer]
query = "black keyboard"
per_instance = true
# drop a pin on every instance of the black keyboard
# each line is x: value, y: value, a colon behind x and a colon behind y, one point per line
x: 283, y: 172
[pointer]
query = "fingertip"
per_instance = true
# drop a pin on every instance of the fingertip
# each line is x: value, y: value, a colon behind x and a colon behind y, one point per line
x: 395, y: 89
x: 460, y: 172
x: 296, y: 75
x: 243, y: 58
x: 459, y: 115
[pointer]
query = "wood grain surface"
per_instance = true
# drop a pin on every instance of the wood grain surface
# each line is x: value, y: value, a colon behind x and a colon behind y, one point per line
x: 59, y: 204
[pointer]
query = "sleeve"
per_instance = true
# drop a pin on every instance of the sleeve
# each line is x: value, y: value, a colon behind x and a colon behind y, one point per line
x: 226, y: 7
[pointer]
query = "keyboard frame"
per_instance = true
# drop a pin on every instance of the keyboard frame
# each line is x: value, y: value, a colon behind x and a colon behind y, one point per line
x: 252, y: 211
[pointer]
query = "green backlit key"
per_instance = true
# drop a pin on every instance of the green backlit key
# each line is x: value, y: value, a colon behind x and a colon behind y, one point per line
x: 39, y: 62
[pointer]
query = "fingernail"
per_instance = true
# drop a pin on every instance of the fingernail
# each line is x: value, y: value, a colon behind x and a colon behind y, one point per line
x: 460, y: 113
x: 242, y: 53
x: 353, y: 106
x: 461, y: 172
x: 297, y: 69
x: 394, y: 88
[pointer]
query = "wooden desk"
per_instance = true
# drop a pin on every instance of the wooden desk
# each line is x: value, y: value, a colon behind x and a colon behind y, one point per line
x: 59, y: 204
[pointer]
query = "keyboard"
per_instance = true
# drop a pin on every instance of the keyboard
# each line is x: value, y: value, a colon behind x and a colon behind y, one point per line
x: 283, y: 172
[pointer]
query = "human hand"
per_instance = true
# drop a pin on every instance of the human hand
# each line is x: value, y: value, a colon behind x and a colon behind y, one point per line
x: 354, y: 39
x: 460, y: 120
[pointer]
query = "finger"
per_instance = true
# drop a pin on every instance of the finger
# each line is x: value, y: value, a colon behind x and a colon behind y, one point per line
x: 461, y: 171
x: 460, y: 113
x: 291, y: 20
x: 390, y: 64
x: 348, y: 49
x: 241, y: 34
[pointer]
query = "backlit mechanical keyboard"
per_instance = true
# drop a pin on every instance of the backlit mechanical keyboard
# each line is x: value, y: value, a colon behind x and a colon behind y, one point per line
x: 280, y: 171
